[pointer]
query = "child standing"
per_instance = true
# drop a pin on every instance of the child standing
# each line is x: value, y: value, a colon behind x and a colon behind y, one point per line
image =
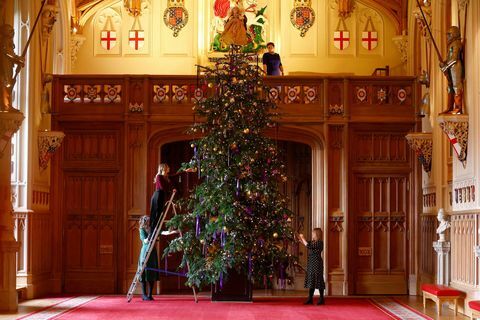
x: 314, y: 275
x: 149, y: 276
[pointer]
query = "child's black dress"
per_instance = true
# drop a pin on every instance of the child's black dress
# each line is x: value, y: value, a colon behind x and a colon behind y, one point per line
x: 314, y: 275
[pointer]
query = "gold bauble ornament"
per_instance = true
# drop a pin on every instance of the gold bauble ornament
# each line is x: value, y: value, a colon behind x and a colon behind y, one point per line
x: 246, y: 131
x: 210, y: 85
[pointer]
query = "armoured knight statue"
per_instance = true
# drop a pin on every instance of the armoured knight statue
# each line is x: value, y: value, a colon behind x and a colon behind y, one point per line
x: 454, y: 71
x: 8, y: 60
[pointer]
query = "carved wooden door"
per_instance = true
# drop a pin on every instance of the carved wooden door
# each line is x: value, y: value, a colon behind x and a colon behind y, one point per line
x: 89, y: 233
x: 380, y: 205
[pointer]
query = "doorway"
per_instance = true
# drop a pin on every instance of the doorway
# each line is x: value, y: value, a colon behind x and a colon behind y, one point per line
x: 297, y: 158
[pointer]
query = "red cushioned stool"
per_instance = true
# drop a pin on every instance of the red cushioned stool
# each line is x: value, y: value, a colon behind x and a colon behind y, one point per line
x: 440, y: 294
x: 475, y: 307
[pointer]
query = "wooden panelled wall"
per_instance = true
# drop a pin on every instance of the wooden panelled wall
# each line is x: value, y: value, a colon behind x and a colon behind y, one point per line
x: 363, y: 174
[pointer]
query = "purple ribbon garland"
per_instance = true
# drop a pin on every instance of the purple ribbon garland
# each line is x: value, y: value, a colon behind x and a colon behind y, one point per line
x: 197, y: 226
x: 195, y: 152
x: 237, y: 193
x: 222, y: 238
x: 221, y: 280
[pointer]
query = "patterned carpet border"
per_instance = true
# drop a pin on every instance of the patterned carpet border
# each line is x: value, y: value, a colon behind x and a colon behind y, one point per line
x: 58, y: 309
x: 399, y: 310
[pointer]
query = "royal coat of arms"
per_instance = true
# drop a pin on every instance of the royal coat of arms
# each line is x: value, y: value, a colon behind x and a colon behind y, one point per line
x: 302, y: 16
x: 175, y: 16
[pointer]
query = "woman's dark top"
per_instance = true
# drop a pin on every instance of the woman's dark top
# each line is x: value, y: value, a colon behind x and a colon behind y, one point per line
x: 159, y: 197
x: 273, y: 63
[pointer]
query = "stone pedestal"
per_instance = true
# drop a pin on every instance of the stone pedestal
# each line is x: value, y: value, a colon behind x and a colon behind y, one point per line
x: 442, y: 248
x: 10, y: 121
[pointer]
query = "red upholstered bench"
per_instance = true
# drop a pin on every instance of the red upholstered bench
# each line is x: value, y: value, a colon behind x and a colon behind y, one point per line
x: 475, y: 307
x: 440, y: 294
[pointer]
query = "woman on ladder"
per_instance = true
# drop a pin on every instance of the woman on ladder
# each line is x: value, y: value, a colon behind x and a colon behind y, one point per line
x: 162, y: 188
x: 150, y: 274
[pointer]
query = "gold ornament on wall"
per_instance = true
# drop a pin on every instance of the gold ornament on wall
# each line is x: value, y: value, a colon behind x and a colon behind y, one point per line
x: 176, y: 16
x: 302, y: 16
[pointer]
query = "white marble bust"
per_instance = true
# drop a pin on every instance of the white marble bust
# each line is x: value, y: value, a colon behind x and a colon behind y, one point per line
x: 443, y: 226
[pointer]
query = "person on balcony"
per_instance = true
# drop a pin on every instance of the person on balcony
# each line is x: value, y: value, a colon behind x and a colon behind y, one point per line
x: 272, y: 65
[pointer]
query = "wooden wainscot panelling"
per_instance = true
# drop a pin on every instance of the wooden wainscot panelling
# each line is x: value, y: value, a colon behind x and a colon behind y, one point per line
x: 90, y: 214
x: 336, y: 103
x: 380, y: 208
x: 92, y: 148
x: 116, y: 127
x: 463, y: 236
x: 33, y: 231
x: 336, y: 233
x: 373, y: 98
x: 428, y: 260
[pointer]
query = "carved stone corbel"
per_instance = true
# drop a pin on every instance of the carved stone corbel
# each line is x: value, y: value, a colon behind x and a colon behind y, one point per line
x: 402, y: 45
x: 48, y: 143
x: 462, y: 4
x: 422, y: 144
x: 76, y: 42
x: 455, y: 127
x: 49, y: 17
x: 10, y: 122
x: 427, y: 10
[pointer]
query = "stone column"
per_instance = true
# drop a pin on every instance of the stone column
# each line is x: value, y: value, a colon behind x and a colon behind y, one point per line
x: 442, y: 248
x: 10, y: 121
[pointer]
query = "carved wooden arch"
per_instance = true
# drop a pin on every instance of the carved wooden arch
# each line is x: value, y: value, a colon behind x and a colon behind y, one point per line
x: 310, y: 136
x: 395, y: 10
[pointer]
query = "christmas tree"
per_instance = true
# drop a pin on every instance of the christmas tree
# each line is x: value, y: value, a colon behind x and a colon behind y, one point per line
x: 236, y: 217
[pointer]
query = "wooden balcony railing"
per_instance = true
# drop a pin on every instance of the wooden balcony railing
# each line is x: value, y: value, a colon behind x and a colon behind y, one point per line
x: 300, y: 98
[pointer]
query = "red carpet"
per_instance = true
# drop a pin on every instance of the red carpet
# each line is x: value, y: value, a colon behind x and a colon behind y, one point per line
x: 182, y: 307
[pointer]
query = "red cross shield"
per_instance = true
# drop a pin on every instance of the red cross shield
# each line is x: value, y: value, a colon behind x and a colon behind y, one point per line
x: 369, y: 40
x: 136, y: 39
x: 108, y: 39
x: 341, y: 39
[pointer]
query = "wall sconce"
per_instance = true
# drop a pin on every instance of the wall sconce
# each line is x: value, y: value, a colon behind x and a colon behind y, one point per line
x: 48, y: 143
